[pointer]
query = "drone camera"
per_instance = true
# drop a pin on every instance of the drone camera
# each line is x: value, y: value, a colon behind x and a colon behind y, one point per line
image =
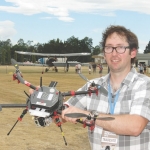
x: 42, y: 122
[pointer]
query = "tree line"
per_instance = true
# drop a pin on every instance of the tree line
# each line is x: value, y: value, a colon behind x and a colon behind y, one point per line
x: 147, y: 49
x: 71, y: 45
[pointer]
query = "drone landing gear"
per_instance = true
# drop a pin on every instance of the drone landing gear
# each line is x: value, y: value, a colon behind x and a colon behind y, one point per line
x: 19, y: 119
x: 58, y: 123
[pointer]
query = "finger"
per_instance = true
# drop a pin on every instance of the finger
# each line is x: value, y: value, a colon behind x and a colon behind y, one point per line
x: 31, y: 91
x: 72, y: 120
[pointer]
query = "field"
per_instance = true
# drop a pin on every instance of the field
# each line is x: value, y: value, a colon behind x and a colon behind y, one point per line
x: 26, y: 135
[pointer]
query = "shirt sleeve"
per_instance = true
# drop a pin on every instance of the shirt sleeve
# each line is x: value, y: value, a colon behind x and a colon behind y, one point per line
x: 79, y: 101
x: 141, y: 101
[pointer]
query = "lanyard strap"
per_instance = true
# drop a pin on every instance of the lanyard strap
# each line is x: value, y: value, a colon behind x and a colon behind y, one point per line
x: 112, y: 104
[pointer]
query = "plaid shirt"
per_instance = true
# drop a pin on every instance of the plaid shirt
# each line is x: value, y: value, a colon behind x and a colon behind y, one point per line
x: 134, y: 98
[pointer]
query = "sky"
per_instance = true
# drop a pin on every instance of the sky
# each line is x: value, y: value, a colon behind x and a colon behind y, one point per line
x: 45, y: 20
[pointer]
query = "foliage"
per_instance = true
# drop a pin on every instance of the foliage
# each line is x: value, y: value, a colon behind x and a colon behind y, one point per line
x: 71, y: 45
x: 147, y: 49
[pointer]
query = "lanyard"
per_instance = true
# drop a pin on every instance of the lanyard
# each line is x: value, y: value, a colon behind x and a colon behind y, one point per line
x: 112, y: 105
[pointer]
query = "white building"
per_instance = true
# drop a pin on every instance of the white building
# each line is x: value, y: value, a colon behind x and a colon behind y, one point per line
x: 140, y: 58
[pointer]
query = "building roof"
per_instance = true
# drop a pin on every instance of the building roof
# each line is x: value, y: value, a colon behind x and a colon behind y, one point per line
x: 139, y: 56
x: 98, y: 56
x: 143, y: 56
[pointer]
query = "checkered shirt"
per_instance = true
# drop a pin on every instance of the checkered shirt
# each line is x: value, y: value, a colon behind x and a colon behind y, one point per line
x: 134, y: 98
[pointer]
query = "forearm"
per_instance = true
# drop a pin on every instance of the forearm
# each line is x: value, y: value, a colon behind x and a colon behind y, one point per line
x: 123, y: 124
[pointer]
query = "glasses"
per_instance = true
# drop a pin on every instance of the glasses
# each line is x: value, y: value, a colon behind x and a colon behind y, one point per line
x: 119, y: 49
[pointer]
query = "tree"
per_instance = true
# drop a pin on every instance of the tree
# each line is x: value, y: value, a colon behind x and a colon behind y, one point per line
x: 147, y: 49
x: 72, y: 45
x: 21, y: 42
x: 5, y: 47
x: 33, y: 57
x: 3, y: 57
x: 8, y: 56
x: 96, y: 50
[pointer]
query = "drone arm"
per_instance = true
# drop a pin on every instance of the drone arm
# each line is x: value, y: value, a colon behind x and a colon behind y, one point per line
x: 12, y: 106
x: 73, y: 93
x: 32, y: 87
x: 18, y: 76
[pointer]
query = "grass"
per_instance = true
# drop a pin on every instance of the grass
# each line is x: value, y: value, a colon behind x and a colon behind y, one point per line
x: 25, y: 135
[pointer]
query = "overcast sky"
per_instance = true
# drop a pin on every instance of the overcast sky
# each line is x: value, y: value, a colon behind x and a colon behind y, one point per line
x: 44, y: 20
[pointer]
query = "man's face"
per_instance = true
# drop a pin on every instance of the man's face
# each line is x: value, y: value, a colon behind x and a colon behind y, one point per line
x: 118, y: 62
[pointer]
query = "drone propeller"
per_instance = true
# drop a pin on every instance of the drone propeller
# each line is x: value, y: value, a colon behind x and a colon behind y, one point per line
x: 14, y: 63
x: 83, y: 77
x: 17, y: 75
x: 102, y: 89
x: 78, y: 115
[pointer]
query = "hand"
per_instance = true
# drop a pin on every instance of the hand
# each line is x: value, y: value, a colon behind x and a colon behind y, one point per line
x: 31, y: 90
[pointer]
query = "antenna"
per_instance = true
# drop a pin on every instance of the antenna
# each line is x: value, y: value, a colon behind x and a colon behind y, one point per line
x: 41, y: 82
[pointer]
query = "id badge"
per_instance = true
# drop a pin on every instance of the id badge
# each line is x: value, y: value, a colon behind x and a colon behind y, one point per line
x: 109, y: 140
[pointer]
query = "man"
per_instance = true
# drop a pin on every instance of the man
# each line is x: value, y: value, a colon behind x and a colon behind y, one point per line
x: 79, y: 68
x: 94, y: 67
x: 144, y: 68
x: 90, y: 67
x: 128, y: 99
x: 141, y: 69
x: 100, y: 69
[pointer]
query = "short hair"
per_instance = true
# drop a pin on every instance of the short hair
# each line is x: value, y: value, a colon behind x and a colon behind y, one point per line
x: 122, y: 31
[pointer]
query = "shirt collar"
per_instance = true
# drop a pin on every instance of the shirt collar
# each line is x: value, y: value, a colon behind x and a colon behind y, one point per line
x: 131, y: 76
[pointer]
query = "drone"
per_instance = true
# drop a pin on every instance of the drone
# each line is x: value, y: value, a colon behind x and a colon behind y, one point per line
x: 45, y: 104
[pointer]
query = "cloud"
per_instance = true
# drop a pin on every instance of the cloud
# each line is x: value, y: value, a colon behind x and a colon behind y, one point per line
x: 47, y: 18
x: 6, y: 29
x: 66, y: 19
x: 62, y: 9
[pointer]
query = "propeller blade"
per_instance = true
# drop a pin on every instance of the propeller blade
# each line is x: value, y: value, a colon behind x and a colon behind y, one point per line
x: 83, y: 77
x: 14, y: 63
x: 101, y: 88
x: 78, y: 115
x: 20, y: 78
